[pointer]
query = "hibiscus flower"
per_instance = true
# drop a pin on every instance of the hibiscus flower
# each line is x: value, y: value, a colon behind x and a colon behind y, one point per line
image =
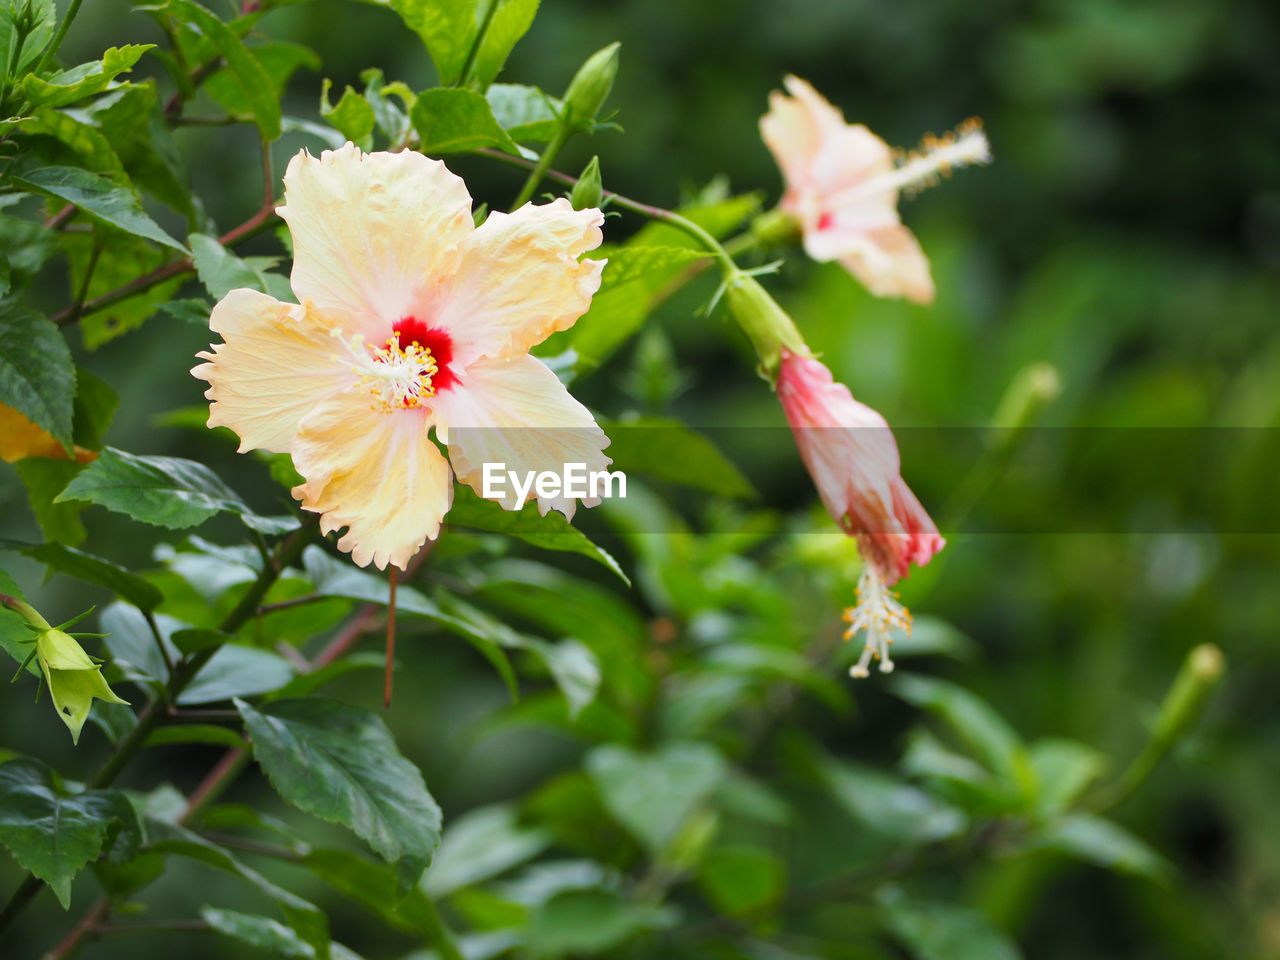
x: 842, y: 186
x: 850, y: 452
x: 409, y: 318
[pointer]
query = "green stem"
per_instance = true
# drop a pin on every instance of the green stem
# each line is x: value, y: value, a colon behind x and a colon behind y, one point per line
x: 440, y: 935
x: 27, y: 612
x: 543, y: 167
x: 56, y: 42
x: 479, y: 40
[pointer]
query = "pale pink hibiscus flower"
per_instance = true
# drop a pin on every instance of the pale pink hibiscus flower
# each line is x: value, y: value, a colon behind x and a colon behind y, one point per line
x: 853, y: 459
x: 842, y: 186
x: 409, y: 317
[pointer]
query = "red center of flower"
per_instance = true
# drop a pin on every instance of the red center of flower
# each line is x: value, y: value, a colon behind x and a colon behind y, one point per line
x: 413, y: 330
x: 826, y: 221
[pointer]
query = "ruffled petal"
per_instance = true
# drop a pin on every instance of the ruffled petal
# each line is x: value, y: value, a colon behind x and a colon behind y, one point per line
x: 373, y: 234
x: 915, y: 539
x: 276, y: 363
x: 887, y: 260
x: 377, y: 474
x: 516, y: 412
x: 796, y: 127
x: 816, y: 150
x: 521, y: 280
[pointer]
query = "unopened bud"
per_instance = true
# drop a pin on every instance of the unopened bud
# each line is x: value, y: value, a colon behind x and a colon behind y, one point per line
x: 1032, y: 389
x: 777, y: 228
x: 765, y: 323
x: 587, y: 191
x: 591, y: 85
x: 74, y: 679
x: 1184, y: 702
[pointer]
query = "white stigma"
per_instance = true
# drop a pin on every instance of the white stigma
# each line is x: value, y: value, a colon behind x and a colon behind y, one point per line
x: 879, y: 613
x: 921, y: 168
x: 398, y: 378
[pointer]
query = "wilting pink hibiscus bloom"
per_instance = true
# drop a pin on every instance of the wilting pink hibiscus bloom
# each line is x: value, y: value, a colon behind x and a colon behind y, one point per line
x: 842, y: 185
x: 409, y: 317
x: 853, y: 459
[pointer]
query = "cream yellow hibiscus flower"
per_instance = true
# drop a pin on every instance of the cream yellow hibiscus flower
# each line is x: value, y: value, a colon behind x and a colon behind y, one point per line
x: 409, y: 317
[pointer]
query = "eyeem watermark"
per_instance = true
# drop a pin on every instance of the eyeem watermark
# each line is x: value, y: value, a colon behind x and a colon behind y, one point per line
x: 574, y: 481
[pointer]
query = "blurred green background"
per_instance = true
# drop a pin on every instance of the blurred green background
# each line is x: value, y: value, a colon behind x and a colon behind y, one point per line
x: 1128, y: 233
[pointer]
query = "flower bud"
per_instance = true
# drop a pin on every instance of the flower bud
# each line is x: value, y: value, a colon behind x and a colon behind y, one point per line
x: 764, y: 322
x: 1033, y: 388
x: 777, y: 228
x: 587, y: 191
x: 74, y: 679
x: 1185, y: 700
x: 591, y: 85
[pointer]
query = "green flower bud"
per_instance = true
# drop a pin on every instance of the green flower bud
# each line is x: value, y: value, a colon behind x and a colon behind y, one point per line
x: 765, y: 323
x: 1185, y: 700
x: 74, y: 679
x: 591, y: 85
x: 777, y: 228
x: 586, y: 192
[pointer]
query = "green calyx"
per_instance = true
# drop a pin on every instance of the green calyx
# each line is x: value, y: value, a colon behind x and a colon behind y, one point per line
x: 74, y: 678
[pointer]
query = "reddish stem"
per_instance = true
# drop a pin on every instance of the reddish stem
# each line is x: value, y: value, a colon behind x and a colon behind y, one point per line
x: 391, y: 637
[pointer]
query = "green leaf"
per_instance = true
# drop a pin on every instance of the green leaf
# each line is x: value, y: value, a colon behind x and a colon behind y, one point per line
x: 44, y: 480
x: 591, y: 923
x: 451, y: 120
x: 635, y: 273
x: 670, y: 451
x: 86, y: 146
x: 943, y: 931
x: 97, y: 196
x: 353, y: 117
x: 652, y: 795
x: 377, y: 887
x: 255, y: 83
x: 1106, y: 844
x: 889, y: 806
x: 52, y: 833
x: 132, y: 120
x: 390, y: 118
x: 220, y: 270
x: 84, y: 81
x: 265, y: 934
x: 17, y: 639
x: 550, y: 532
x: 631, y: 263
x: 1063, y: 769
x: 742, y: 879
x: 95, y: 407
x: 37, y: 377
x: 973, y: 720
x: 163, y: 491
x: 309, y: 922
x: 526, y: 113
x: 44, y: 20
x: 341, y: 765
x: 447, y: 27
x: 479, y: 846
x: 121, y: 261
x: 511, y: 21
x: 238, y: 671
x: 279, y: 59
x: 91, y: 569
